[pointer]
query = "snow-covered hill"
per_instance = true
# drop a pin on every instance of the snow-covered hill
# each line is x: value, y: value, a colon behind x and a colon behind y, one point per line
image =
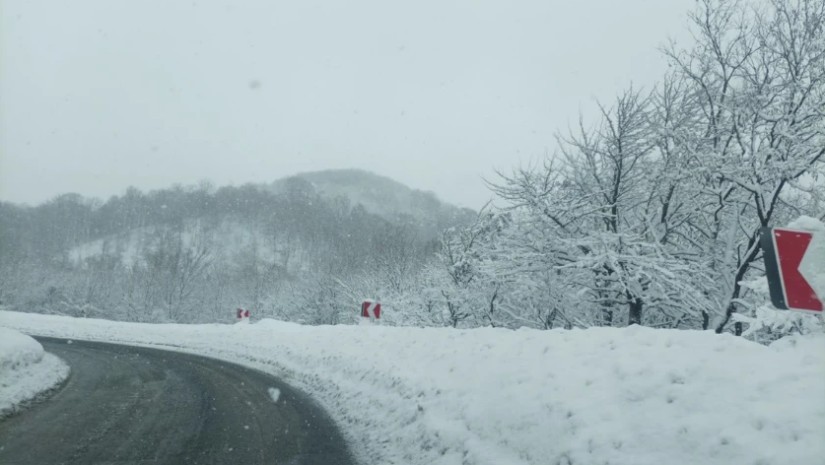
x: 633, y: 396
x: 385, y: 197
x: 194, y: 254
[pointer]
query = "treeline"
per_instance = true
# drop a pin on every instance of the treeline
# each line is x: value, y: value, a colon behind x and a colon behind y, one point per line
x: 194, y: 254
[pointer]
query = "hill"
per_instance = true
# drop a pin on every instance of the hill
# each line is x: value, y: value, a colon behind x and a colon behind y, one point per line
x: 385, y: 197
x: 195, y: 253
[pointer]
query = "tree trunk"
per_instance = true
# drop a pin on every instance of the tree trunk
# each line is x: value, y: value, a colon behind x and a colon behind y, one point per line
x: 607, y: 314
x: 634, y: 313
x: 753, y: 251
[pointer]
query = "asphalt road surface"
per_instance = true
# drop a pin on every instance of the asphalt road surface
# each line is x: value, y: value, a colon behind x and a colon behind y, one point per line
x: 130, y: 405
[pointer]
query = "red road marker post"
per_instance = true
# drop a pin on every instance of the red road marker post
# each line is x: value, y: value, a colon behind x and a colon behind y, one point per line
x: 370, y: 311
x: 795, y: 267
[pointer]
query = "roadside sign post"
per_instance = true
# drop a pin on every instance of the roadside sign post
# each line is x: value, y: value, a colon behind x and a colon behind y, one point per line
x: 370, y: 311
x: 795, y: 267
x: 242, y: 314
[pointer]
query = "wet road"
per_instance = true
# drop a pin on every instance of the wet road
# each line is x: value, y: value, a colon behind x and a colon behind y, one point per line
x: 131, y: 405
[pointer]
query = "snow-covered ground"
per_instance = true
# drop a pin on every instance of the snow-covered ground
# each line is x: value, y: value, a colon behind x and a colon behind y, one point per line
x: 493, y: 396
x: 26, y: 370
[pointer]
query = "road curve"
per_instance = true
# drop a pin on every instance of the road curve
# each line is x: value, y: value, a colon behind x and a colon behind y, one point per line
x: 132, y: 405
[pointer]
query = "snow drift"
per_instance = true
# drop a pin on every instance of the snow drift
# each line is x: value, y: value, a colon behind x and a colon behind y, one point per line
x: 493, y: 396
x: 26, y: 370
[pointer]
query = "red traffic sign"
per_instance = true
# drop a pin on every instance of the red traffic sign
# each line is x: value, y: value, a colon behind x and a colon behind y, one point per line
x: 371, y: 309
x: 795, y: 267
x: 242, y: 313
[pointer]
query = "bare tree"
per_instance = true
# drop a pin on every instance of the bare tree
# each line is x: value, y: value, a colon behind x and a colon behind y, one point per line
x: 759, y: 80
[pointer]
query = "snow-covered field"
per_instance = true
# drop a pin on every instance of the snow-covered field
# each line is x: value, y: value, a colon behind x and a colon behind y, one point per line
x: 493, y: 396
x: 25, y: 370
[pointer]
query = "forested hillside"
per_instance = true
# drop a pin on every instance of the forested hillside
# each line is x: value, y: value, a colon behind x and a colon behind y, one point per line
x: 197, y: 253
x: 385, y: 197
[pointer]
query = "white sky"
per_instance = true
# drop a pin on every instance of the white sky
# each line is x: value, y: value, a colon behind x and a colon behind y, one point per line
x: 98, y: 95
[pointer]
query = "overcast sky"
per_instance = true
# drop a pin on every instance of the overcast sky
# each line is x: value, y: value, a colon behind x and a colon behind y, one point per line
x: 98, y: 95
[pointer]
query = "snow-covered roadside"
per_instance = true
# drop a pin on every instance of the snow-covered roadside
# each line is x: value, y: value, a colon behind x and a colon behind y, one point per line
x: 26, y: 370
x: 492, y: 396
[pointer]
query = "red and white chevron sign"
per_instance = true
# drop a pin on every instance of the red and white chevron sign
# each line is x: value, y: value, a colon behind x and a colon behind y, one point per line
x: 795, y: 266
x: 241, y: 313
x: 371, y: 309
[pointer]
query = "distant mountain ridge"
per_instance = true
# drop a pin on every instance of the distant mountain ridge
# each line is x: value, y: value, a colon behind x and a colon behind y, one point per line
x: 383, y: 196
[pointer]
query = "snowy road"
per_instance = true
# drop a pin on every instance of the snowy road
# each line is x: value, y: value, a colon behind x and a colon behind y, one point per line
x: 136, y: 405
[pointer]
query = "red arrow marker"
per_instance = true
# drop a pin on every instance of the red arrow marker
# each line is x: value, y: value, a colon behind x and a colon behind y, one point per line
x: 790, y: 250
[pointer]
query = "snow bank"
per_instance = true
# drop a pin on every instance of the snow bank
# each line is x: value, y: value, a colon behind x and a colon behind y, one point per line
x: 26, y: 370
x: 491, y: 396
x: 807, y: 223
